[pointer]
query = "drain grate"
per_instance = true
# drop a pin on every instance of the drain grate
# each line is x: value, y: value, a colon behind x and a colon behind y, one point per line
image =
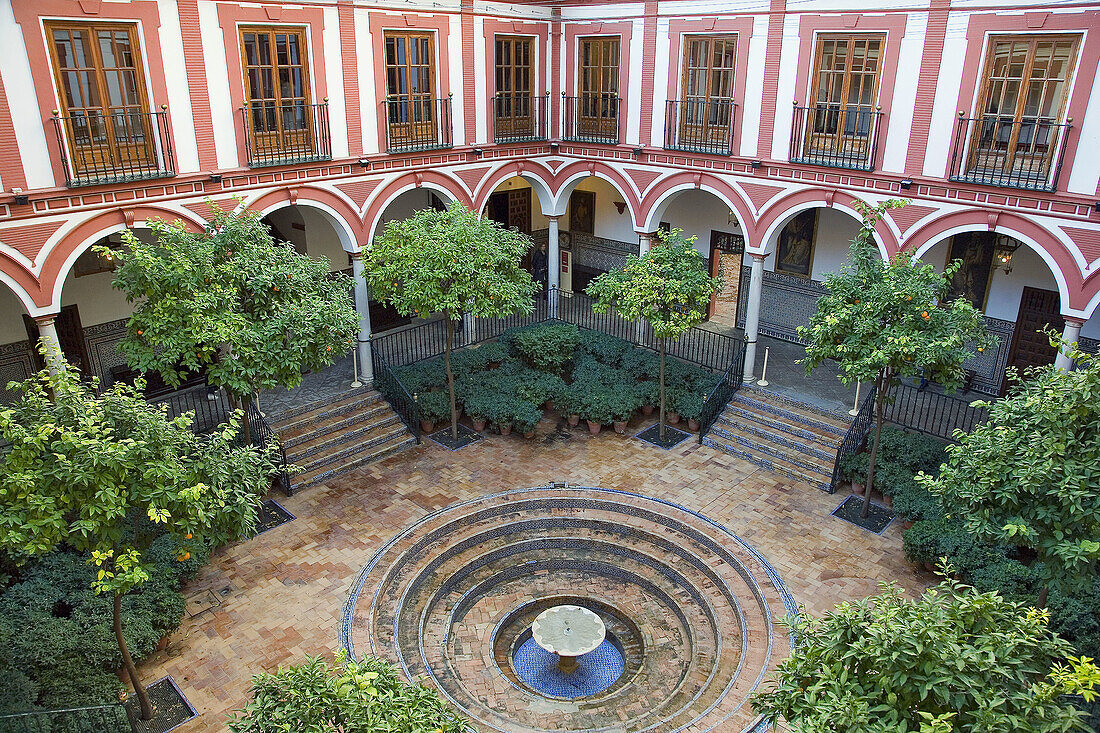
x: 272, y: 514
x: 170, y: 708
x: 876, y: 521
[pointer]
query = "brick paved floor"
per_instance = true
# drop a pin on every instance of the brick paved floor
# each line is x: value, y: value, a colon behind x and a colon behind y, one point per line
x: 286, y: 587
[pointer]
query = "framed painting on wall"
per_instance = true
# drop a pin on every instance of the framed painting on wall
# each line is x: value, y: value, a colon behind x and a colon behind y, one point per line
x: 795, y: 252
x: 582, y: 212
x: 971, y: 280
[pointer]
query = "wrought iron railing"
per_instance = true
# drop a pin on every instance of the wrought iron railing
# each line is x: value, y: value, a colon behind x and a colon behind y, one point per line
x: 700, y: 125
x: 210, y: 406
x: 98, y: 719
x: 262, y: 436
x: 123, y: 145
x: 520, y: 117
x: 836, y: 135
x: 285, y: 134
x: 387, y: 383
x: 417, y: 123
x: 1003, y: 151
x: 592, y: 118
x: 932, y: 412
x: 731, y: 381
x: 855, y: 437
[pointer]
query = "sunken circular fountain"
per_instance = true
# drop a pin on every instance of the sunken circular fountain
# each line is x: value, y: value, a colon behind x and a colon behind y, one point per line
x: 575, y: 608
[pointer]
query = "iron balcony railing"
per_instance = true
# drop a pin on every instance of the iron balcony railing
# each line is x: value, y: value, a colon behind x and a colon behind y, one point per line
x: 592, y: 118
x: 836, y: 135
x: 932, y: 412
x: 700, y: 125
x: 417, y: 123
x: 1014, y: 153
x: 286, y: 134
x: 520, y: 117
x: 123, y: 145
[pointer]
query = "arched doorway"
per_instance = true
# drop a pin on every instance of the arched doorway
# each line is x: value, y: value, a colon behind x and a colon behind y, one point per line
x: 598, y: 230
x: 516, y: 204
x: 17, y: 360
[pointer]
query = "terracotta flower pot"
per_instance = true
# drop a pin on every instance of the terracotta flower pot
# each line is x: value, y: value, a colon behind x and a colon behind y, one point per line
x: 673, y: 418
x: 549, y: 405
x: 857, y: 488
x: 163, y: 643
x: 479, y: 423
x: 620, y: 427
x: 647, y: 410
x: 427, y: 426
x: 506, y: 429
x: 930, y: 567
x: 693, y: 425
x: 573, y: 420
x: 529, y: 434
x: 888, y: 501
x: 906, y: 524
x: 594, y: 427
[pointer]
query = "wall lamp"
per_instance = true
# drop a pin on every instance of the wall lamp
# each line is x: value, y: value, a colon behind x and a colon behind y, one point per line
x: 1096, y: 207
x: 906, y: 184
x: 621, y: 206
x: 477, y: 152
x: 554, y: 146
x: 638, y: 152
x: 364, y: 163
x: 756, y: 164
x: 215, y: 177
x: 21, y: 199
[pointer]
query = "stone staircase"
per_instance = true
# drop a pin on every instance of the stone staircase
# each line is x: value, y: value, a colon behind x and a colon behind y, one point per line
x: 329, y: 438
x: 794, y: 438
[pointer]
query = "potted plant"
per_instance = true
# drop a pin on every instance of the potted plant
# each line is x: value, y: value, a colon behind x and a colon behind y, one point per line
x: 854, y: 467
x: 526, y: 419
x: 434, y: 407
x: 599, y: 409
x: 569, y: 403
x: 689, y: 405
x: 648, y: 394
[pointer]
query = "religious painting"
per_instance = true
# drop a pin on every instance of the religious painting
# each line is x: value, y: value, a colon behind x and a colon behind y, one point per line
x: 796, y: 244
x: 971, y: 280
x: 582, y: 212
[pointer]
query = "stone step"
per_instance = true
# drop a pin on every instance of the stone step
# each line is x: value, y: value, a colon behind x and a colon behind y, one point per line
x: 810, y: 446
x: 370, y: 411
x: 291, y: 424
x: 769, y: 448
x: 814, y: 478
x: 834, y: 417
x: 357, y: 428
x: 745, y: 413
x: 399, y: 440
x: 340, y: 449
x: 791, y: 414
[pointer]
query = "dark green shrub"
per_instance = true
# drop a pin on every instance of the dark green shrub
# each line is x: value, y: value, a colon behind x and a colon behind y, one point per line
x: 1077, y: 618
x: 423, y: 376
x: 914, y: 451
x: 548, y: 347
x: 641, y: 364
x: 689, y: 405
x: 525, y: 416
x: 648, y: 392
x: 853, y: 466
x: 922, y: 540
x: 1008, y: 577
x: 476, y: 358
x: 601, y: 404
x: 608, y: 350
x: 434, y: 406
x: 915, y: 503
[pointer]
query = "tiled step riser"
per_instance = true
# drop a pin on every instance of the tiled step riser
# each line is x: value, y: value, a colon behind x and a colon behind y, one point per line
x: 331, y: 440
x: 810, y: 447
x: 335, y: 424
x: 765, y: 463
x: 767, y: 451
x: 351, y: 395
x: 311, y: 480
x: 352, y: 449
x: 783, y: 402
x: 741, y: 412
x: 292, y: 423
x: 807, y: 421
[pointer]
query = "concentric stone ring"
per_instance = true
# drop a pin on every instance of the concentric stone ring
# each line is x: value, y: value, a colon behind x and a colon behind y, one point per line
x: 688, y: 606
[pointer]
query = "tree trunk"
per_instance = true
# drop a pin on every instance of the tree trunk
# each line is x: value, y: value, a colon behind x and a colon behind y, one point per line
x: 450, y: 375
x: 880, y: 403
x: 128, y: 663
x: 1043, y: 596
x: 246, y: 427
x: 661, y: 416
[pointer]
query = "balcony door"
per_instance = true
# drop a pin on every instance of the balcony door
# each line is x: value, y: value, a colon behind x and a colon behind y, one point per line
x: 514, y: 106
x: 1021, y: 105
x: 278, y: 111
x: 598, y: 106
x: 410, y: 89
x: 842, y: 115
x: 707, y: 92
x: 104, y: 109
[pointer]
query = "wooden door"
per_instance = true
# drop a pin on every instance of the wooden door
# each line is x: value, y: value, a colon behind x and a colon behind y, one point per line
x: 513, y: 105
x: 70, y: 335
x: 598, y: 111
x: 410, y: 89
x: 279, y: 115
x: 1039, y: 309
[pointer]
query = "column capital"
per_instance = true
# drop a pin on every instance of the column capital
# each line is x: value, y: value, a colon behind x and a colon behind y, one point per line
x: 552, y: 217
x: 46, y: 318
x: 757, y: 256
x: 356, y: 255
x: 1075, y: 321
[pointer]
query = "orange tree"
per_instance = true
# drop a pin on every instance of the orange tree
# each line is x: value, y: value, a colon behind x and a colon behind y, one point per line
x: 668, y: 286
x: 884, y: 320
x: 450, y: 262
x: 106, y: 475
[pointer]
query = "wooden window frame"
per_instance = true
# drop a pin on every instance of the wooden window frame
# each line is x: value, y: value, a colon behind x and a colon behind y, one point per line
x: 594, y: 116
x: 514, y: 111
x: 294, y: 142
x: 841, y: 143
x: 715, y: 127
x: 79, y: 154
x: 985, y: 89
x: 422, y: 117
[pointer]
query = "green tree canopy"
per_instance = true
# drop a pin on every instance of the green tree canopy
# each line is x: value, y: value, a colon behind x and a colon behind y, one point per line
x: 108, y: 474
x: 230, y: 301
x: 883, y: 320
x: 951, y: 660
x: 668, y: 286
x: 1030, y: 476
x: 450, y: 262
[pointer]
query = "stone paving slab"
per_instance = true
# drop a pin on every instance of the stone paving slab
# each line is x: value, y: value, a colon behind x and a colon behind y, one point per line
x: 287, y: 586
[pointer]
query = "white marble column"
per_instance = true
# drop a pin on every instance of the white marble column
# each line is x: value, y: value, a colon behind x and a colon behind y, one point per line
x: 47, y: 336
x: 1070, y: 334
x: 553, y: 266
x: 469, y: 329
x: 362, y: 307
x: 645, y: 241
x: 752, y: 314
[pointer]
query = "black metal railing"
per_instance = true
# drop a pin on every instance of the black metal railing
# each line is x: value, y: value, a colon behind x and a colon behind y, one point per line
x: 700, y: 125
x: 387, y: 383
x: 1002, y: 151
x: 836, y: 135
x: 932, y: 412
x: 262, y: 436
x: 417, y: 123
x: 520, y: 117
x: 731, y: 381
x: 592, y: 118
x: 98, y: 719
x: 854, y: 437
x: 123, y: 145
x: 285, y: 134
x: 209, y: 405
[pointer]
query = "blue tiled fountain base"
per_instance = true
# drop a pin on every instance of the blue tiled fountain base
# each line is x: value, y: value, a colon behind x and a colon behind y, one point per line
x: 538, y: 669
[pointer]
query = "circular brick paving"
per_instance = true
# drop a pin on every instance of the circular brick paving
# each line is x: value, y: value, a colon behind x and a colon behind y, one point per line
x: 690, y: 606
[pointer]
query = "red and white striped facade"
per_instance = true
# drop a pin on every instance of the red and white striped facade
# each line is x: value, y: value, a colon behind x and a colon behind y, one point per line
x: 932, y: 61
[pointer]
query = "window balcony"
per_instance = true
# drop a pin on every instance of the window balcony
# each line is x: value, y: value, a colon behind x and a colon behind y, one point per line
x: 520, y: 117
x: 416, y: 123
x: 836, y: 135
x: 700, y: 125
x: 287, y: 133
x: 592, y: 118
x: 995, y: 150
x: 124, y: 145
